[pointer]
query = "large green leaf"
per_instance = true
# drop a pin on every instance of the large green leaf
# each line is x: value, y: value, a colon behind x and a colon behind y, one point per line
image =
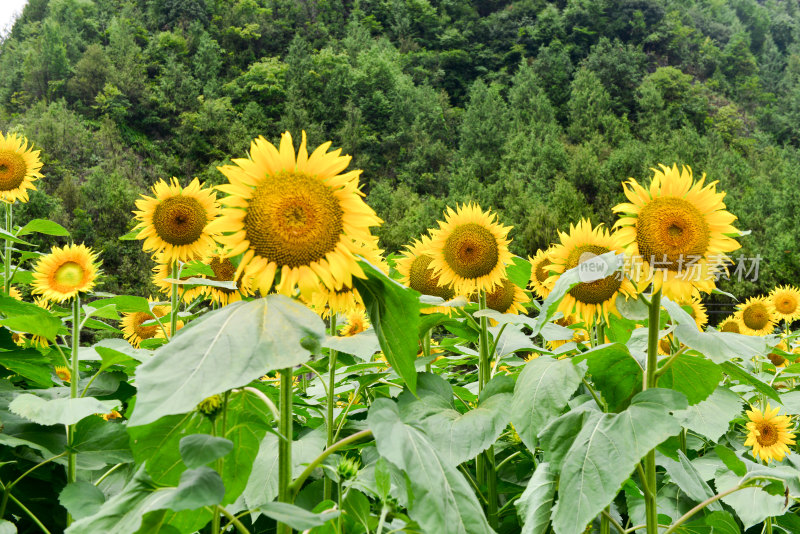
x: 29, y: 318
x: 734, y: 371
x: 543, y: 388
x: 615, y: 373
x: 28, y: 363
x: 686, y: 476
x: 81, y: 499
x: 101, y: 442
x: 752, y: 505
x: 201, y: 449
x: 694, y: 376
x: 394, y: 313
x: 224, y: 349
x: 43, y: 226
x: 56, y: 411
x: 296, y: 517
x: 605, y: 453
x: 457, y: 437
x: 711, y: 417
x: 533, y: 506
x: 362, y: 345
x: 442, y: 501
x: 123, y: 513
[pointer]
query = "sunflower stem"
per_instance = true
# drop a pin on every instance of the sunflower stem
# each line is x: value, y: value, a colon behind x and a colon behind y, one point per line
x: 487, y: 466
x: 7, y: 255
x: 327, y: 489
x: 650, y: 381
x: 285, y: 445
x: 605, y: 524
x: 72, y: 465
x: 426, y: 349
x: 173, y: 316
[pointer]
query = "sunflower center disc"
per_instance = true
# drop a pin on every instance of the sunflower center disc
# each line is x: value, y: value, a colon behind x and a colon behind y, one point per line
x: 776, y: 359
x: 671, y: 231
x: 144, y: 332
x: 179, y: 220
x: 786, y: 305
x: 731, y: 327
x: 541, y: 274
x: 502, y: 298
x: 471, y: 251
x: 12, y: 170
x: 423, y: 280
x: 293, y: 220
x: 70, y: 274
x: 755, y: 316
x: 595, y: 292
x: 768, y: 434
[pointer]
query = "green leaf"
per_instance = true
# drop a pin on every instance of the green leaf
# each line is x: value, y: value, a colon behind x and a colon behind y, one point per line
x: 105, y: 311
x: 443, y: 500
x: 125, y: 303
x: 43, y: 226
x: 383, y: 481
x: 710, y: 418
x: 694, y: 376
x: 685, y: 475
x: 56, y: 411
x: 222, y: 350
x: 29, y: 318
x: 356, y: 505
x: 101, y: 442
x: 752, y: 505
x: 131, y: 236
x: 197, y: 488
x: 394, y: 314
x: 362, y: 345
x: 605, y: 453
x: 6, y: 236
x: 519, y: 272
x: 543, y: 388
x: 533, y: 506
x: 457, y: 437
x: 615, y: 372
x: 7, y: 527
x: 731, y: 461
x: 28, y: 363
x: 296, y: 517
x: 556, y: 438
x: 200, y: 449
x: 81, y: 499
x: 734, y: 371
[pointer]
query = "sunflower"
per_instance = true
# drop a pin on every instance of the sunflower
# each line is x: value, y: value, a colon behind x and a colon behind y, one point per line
x: 786, y: 300
x: 470, y: 250
x: 697, y: 311
x: 133, y: 330
x: 540, y: 273
x: 507, y: 297
x: 414, y: 268
x: 163, y: 271
x: 770, y: 434
x: 356, y: 323
x: 63, y: 373
x: 588, y: 300
x: 294, y: 217
x: 174, y: 222
x: 14, y: 293
x: 778, y: 360
x: 579, y: 335
x: 757, y: 316
x: 325, y: 301
x: 678, y: 229
x: 65, y: 272
x: 224, y: 271
x: 19, y: 168
x: 731, y: 324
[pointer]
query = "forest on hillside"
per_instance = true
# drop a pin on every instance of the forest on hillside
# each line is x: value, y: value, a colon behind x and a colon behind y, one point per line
x: 535, y: 109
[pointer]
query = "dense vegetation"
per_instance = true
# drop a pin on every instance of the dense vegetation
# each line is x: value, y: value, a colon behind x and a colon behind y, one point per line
x: 536, y: 109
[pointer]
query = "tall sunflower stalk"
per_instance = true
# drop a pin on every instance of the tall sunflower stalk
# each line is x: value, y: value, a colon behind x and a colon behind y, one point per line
x: 650, y: 379
x: 333, y: 356
x: 8, y: 216
x: 173, y: 316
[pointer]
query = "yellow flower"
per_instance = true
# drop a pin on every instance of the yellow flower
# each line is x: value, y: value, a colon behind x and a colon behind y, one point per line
x: 731, y: 324
x: 697, y: 311
x: 224, y: 271
x: 757, y: 316
x: 470, y: 250
x: 114, y: 414
x: 174, y: 223
x: 777, y: 359
x: 65, y: 272
x: 357, y: 322
x: 14, y: 293
x: 294, y: 217
x: 678, y: 229
x: 63, y: 373
x: 770, y: 434
x: 19, y: 168
x: 588, y: 300
x: 415, y: 272
x: 507, y: 298
x: 579, y: 335
x: 786, y: 300
x: 540, y: 273
x: 133, y: 330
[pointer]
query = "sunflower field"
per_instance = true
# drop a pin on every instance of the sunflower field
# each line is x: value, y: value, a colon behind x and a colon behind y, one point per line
x: 291, y: 376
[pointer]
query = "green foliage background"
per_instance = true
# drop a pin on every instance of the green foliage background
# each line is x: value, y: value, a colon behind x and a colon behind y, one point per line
x: 536, y: 109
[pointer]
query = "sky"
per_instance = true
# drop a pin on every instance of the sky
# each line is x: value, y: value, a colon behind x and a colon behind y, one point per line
x: 9, y: 9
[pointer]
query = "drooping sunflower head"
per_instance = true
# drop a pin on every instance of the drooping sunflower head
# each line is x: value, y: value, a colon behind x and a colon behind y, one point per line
x: 470, y: 250
x: 65, y: 272
x: 678, y: 229
x: 507, y: 297
x: 588, y: 300
x: 778, y: 360
x: 731, y: 324
x: 19, y: 168
x: 769, y: 434
x: 415, y: 272
x: 133, y: 324
x: 757, y: 316
x: 541, y: 282
x: 786, y: 300
x: 299, y: 218
x: 357, y: 322
x: 174, y: 222
x: 697, y: 311
x: 341, y: 301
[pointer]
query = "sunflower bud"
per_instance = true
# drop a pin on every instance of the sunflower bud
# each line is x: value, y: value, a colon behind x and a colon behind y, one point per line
x: 347, y: 468
x: 210, y: 406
